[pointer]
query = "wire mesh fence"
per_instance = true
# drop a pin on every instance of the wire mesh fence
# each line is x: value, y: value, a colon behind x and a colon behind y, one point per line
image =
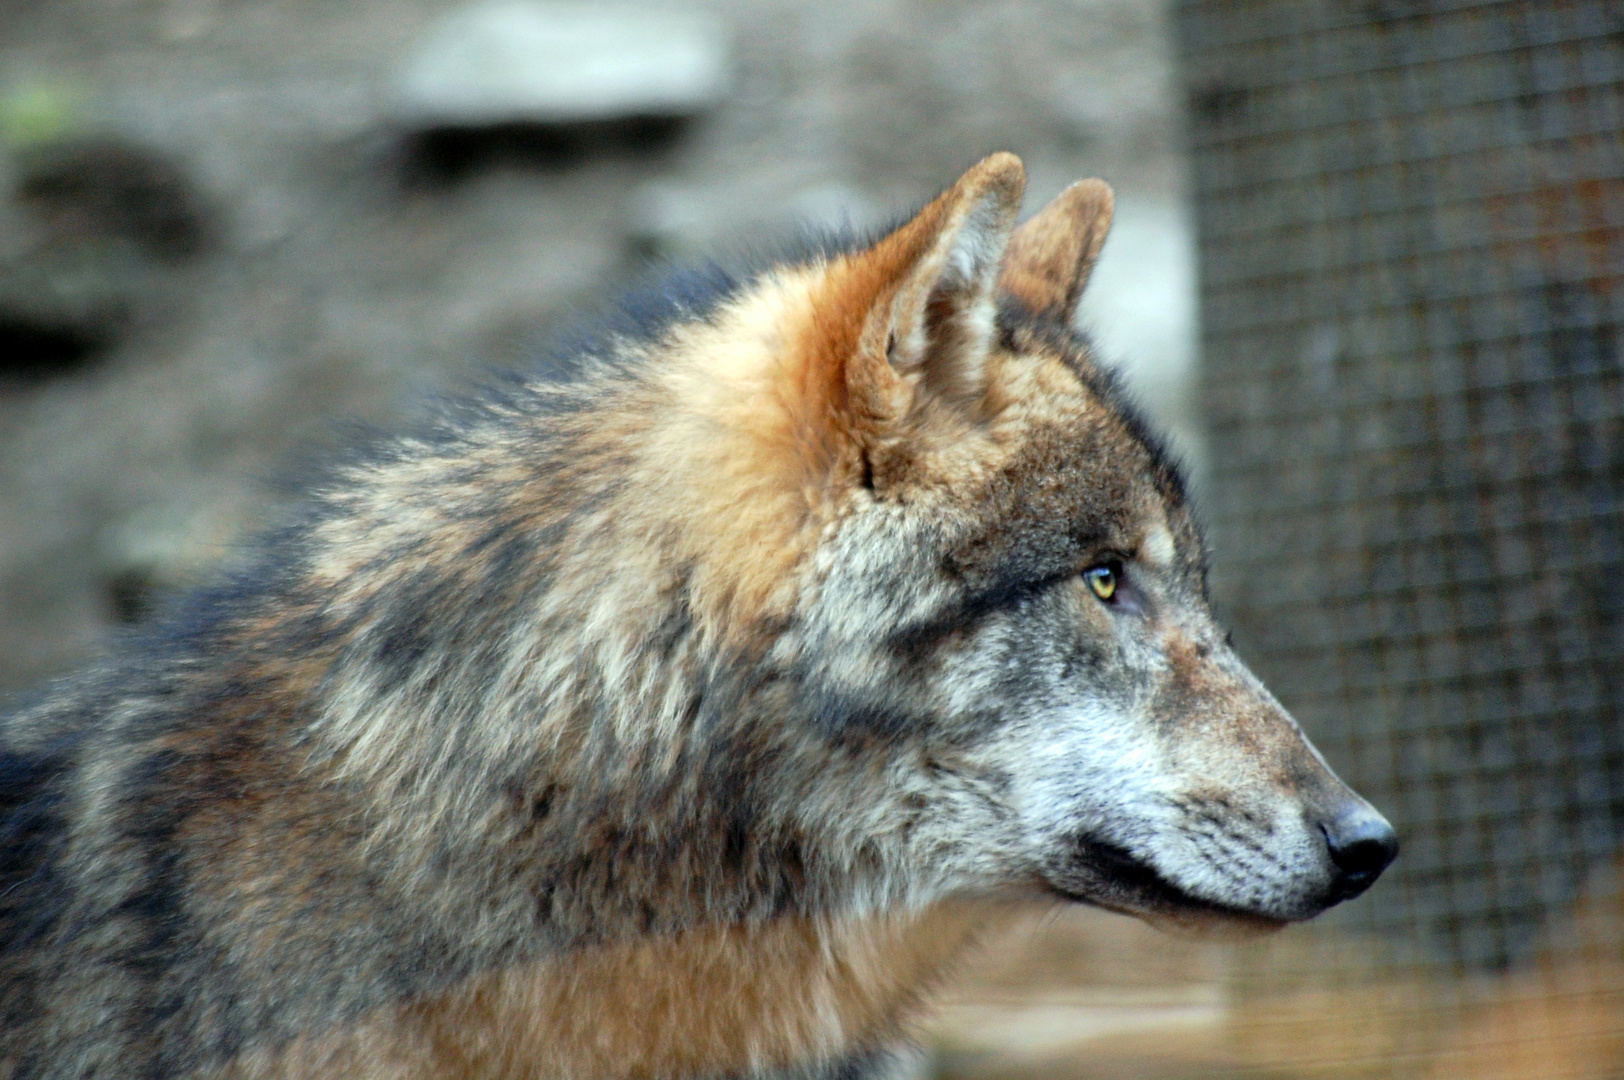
x: 1411, y: 225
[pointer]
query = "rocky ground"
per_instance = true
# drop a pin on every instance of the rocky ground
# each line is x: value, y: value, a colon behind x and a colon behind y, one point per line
x: 222, y: 230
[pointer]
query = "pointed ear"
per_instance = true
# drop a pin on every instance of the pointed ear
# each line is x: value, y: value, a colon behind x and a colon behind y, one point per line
x: 1051, y: 256
x: 928, y: 293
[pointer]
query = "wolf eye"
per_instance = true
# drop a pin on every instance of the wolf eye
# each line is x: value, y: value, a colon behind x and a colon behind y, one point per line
x: 1103, y: 579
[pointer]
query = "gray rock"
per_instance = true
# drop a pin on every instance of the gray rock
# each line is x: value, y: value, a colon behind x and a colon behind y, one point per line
x: 102, y: 188
x: 512, y: 61
x: 165, y: 547
x: 60, y: 309
x: 675, y: 221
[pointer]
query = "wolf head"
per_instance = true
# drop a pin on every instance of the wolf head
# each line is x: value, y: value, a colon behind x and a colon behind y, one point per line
x: 856, y: 585
x: 999, y: 604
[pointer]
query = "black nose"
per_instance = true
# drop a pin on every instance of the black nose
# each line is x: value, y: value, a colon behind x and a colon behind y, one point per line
x: 1361, y: 843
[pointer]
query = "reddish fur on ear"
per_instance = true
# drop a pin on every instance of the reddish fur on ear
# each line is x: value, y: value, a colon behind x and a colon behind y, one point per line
x: 1052, y: 255
x: 913, y: 314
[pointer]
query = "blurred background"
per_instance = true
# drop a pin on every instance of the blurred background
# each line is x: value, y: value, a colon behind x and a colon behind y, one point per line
x: 229, y: 227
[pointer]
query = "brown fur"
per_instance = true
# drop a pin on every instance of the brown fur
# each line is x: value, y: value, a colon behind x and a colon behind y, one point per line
x: 718, y: 999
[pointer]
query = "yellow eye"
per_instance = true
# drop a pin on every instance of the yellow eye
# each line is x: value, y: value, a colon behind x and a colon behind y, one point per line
x: 1102, y: 579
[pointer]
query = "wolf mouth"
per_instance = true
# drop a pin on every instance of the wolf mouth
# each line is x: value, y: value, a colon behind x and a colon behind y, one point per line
x: 1107, y: 875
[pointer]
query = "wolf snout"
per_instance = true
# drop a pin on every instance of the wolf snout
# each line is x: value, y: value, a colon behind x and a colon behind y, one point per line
x: 1361, y: 845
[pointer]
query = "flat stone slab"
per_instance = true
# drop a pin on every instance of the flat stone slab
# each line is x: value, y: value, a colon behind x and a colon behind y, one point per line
x: 517, y: 62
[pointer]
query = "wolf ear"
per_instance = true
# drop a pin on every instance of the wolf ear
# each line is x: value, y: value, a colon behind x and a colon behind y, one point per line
x: 1052, y: 255
x: 928, y: 293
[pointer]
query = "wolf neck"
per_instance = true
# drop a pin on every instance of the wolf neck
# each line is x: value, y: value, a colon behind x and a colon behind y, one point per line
x: 604, y: 750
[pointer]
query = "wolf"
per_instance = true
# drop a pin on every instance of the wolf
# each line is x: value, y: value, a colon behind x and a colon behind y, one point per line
x: 679, y: 708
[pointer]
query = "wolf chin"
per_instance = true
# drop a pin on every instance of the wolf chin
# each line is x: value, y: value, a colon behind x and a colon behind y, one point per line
x: 678, y: 709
